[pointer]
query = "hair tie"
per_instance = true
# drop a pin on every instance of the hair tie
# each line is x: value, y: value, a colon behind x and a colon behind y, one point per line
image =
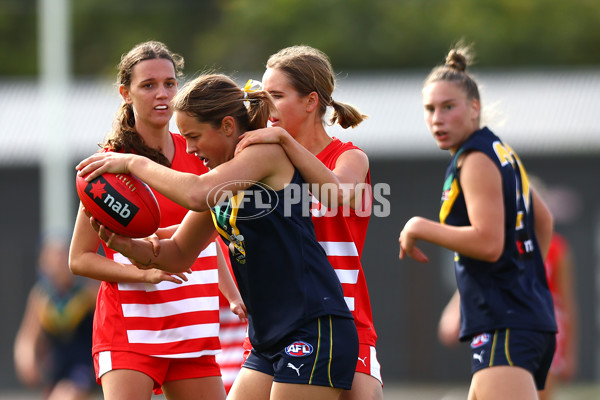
x: 252, y: 86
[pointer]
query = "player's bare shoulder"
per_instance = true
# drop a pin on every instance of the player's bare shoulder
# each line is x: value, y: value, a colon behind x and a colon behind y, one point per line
x: 269, y: 162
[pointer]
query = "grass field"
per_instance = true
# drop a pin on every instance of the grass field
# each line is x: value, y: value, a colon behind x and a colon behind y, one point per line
x: 433, y: 392
x: 584, y: 391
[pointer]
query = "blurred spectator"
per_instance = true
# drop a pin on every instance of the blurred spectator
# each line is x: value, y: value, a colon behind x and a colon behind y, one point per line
x: 559, y: 271
x: 52, y: 348
x: 560, y: 274
x: 449, y: 325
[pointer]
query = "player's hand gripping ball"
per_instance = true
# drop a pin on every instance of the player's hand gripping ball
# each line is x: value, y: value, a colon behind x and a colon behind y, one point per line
x: 121, y: 202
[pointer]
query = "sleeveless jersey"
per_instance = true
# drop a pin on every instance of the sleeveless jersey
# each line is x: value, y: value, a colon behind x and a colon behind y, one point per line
x: 511, y: 292
x: 282, y: 272
x: 342, y: 234
x: 165, y: 319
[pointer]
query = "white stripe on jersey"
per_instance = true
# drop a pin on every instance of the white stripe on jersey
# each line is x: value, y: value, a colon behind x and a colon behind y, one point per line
x: 195, y: 278
x: 173, y: 335
x: 347, y: 275
x: 350, y: 302
x: 171, y: 308
x: 347, y: 249
x: 193, y: 354
x: 209, y: 251
x: 120, y: 258
x: 231, y: 357
x: 232, y: 335
x: 227, y: 316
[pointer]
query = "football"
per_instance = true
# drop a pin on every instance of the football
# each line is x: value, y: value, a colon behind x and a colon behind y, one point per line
x: 121, y: 202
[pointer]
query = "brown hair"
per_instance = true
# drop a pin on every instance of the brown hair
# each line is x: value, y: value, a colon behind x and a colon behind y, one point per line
x: 455, y: 70
x: 124, y: 136
x: 309, y: 70
x: 211, y: 97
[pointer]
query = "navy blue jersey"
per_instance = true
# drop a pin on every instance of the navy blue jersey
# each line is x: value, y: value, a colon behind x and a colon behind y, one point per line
x: 67, y: 322
x: 282, y: 271
x: 511, y: 292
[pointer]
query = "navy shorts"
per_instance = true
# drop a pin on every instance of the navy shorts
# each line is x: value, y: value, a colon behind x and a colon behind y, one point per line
x: 530, y: 350
x: 323, y: 352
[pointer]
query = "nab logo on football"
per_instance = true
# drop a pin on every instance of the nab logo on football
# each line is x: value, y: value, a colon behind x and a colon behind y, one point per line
x: 111, y: 201
x: 299, y: 349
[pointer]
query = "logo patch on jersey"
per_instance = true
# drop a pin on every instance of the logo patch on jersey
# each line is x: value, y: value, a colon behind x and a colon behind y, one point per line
x: 525, y: 245
x: 446, y: 195
x: 257, y: 194
x: 299, y: 349
x: 480, y: 340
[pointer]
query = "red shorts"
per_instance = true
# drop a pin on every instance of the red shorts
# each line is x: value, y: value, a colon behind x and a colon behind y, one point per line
x: 247, y: 348
x: 160, y: 369
x: 367, y: 359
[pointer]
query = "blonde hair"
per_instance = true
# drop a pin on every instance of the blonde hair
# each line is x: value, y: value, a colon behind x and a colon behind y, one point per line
x: 309, y: 70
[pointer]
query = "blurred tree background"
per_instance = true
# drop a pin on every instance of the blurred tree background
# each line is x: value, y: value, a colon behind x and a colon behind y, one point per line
x: 239, y: 35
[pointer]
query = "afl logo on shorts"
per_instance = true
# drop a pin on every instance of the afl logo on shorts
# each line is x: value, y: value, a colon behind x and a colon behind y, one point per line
x: 299, y: 349
x: 480, y: 340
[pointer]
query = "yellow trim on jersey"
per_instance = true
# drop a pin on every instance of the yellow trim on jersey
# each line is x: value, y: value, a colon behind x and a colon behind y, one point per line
x: 524, y: 179
x: 219, y: 229
x: 506, y: 351
x: 312, y: 373
x: 503, y: 153
x: 235, y: 203
x: 330, y: 351
x: 519, y: 223
x: 234, y: 238
x: 449, y: 199
x: 491, y: 364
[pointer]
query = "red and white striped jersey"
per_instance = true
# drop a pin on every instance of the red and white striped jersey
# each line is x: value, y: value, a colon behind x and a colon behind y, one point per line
x: 232, y: 335
x: 165, y: 319
x: 342, y: 234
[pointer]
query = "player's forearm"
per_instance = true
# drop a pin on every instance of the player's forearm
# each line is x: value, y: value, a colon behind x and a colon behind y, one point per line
x: 183, y: 188
x: 543, y: 224
x: 465, y: 240
x: 325, y: 185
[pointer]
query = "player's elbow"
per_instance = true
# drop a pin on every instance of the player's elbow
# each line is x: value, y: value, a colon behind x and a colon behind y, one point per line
x: 493, y: 256
x: 344, y: 196
x: 340, y: 194
x: 492, y: 251
x: 75, y: 265
x: 197, y: 201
